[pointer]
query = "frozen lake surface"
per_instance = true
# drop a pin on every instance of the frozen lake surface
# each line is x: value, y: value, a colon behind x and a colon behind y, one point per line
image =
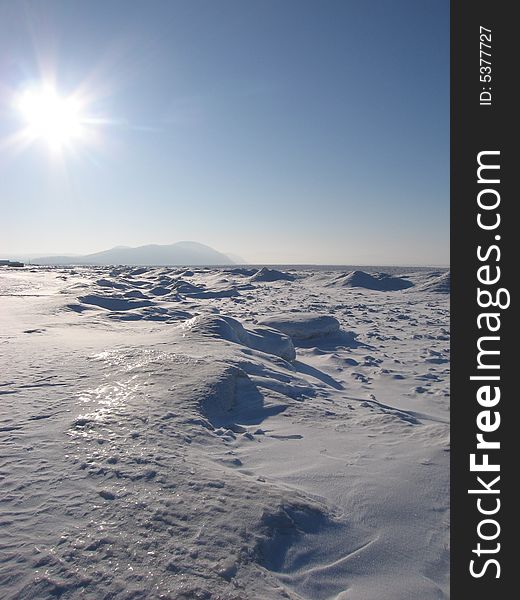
x: 233, y: 433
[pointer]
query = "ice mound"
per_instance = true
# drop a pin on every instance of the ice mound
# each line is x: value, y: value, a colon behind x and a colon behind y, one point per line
x: 160, y: 290
x: 150, y: 313
x: 381, y: 282
x: 199, y: 292
x: 113, y: 302
x: 263, y: 339
x: 139, y: 271
x: 110, y: 284
x: 209, y: 294
x: 266, y: 274
x: 441, y: 285
x: 135, y: 294
x: 186, y: 288
x: 219, y: 393
x: 241, y: 271
x: 302, y: 326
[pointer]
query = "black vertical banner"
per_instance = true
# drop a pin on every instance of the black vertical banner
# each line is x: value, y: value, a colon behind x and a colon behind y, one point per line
x: 484, y: 125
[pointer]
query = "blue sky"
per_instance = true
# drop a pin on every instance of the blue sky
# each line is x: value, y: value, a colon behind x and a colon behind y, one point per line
x: 288, y: 131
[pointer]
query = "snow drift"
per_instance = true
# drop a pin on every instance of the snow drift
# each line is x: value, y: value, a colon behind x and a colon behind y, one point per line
x: 439, y: 285
x: 380, y: 282
x: 263, y: 339
x: 270, y: 275
x: 303, y: 326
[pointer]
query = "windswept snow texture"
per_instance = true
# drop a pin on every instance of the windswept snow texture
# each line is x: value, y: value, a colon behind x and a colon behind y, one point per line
x: 206, y: 434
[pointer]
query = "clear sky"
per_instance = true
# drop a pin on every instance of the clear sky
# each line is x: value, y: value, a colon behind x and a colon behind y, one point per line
x: 290, y: 131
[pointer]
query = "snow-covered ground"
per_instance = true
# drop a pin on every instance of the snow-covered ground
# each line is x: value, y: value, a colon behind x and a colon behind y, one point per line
x: 224, y: 434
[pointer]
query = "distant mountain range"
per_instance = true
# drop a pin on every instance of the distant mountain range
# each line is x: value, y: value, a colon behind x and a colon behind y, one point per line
x: 178, y: 254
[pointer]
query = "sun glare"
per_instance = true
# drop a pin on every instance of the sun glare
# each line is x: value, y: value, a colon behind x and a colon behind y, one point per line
x: 57, y: 120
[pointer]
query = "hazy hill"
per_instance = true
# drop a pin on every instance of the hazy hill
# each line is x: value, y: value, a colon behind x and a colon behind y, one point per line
x: 180, y: 253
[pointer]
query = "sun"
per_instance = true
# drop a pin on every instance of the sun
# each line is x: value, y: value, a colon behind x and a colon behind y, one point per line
x: 52, y: 118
